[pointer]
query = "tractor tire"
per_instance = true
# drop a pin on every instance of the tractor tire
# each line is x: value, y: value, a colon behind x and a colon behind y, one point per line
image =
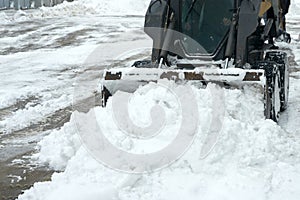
x: 272, y: 89
x: 283, y: 65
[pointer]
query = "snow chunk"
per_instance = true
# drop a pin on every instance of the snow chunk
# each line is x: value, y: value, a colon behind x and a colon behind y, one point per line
x: 59, y: 147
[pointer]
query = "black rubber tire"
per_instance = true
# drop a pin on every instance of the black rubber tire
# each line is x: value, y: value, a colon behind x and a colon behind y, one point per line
x: 284, y: 89
x: 270, y: 99
x: 281, y: 59
x: 272, y: 89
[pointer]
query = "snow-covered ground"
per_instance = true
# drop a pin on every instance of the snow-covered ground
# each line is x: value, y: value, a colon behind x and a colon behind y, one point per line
x: 46, y: 53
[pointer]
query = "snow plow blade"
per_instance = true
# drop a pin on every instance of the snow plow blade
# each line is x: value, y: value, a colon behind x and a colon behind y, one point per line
x: 129, y: 79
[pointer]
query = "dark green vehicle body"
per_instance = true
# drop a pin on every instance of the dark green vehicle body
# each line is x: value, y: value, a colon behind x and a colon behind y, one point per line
x: 223, y: 28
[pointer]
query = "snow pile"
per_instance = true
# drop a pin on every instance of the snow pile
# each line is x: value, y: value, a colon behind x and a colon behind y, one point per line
x: 67, y: 9
x: 86, y: 7
x: 117, y: 7
x: 103, y: 7
x: 253, y: 157
x: 59, y: 147
x: 20, y: 16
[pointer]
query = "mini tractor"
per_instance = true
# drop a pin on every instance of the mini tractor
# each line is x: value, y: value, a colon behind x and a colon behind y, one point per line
x: 219, y: 41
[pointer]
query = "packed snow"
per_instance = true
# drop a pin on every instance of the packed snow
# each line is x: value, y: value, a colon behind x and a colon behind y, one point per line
x: 251, y: 158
